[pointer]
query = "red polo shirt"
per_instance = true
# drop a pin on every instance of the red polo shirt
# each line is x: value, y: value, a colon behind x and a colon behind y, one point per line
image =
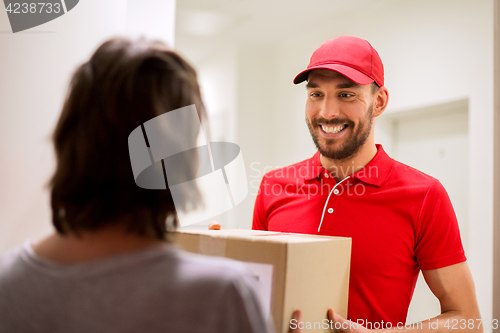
x: 400, y: 220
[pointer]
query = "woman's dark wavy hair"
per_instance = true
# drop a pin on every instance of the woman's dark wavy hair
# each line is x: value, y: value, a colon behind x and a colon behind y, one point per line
x: 124, y: 84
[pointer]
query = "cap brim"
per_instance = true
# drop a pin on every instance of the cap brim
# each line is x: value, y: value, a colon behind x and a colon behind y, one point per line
x: 350, y: 73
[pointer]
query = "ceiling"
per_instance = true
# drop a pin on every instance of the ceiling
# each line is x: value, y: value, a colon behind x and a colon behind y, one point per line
x: 203, y: 26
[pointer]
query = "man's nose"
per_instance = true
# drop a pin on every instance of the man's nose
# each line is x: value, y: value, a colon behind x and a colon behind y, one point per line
x: 330, y: 108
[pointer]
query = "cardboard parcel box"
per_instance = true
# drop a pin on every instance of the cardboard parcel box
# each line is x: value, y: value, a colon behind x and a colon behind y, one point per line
x: 295, y: 271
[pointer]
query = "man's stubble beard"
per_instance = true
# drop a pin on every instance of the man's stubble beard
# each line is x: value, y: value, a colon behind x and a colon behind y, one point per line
x: 352, y: 144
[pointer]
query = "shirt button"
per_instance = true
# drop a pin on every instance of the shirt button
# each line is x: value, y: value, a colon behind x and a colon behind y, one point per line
x: 336, y: 191
x: 330, y: 210
x: 326, y: 174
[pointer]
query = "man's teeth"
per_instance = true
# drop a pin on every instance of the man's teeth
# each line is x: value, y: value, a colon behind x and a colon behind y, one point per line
x: 332, y: 129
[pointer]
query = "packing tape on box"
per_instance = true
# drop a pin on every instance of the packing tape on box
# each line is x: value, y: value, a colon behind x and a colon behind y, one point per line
x: 212, y: 246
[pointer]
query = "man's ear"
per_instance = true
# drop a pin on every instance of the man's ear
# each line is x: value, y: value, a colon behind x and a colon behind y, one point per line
x: 381, y: 98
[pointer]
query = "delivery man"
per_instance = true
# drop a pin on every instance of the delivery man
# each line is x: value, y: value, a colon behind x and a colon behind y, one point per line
x: 400, y: 220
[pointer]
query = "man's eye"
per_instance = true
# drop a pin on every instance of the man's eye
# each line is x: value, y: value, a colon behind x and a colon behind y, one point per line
x: 345, y: 95
x: 315, y: 95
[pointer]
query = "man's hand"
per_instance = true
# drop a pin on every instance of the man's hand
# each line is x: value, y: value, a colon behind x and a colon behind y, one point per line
x: 214, y: 225
x: 296, y: 318
x: 453, y: 286
x: 343, y: 325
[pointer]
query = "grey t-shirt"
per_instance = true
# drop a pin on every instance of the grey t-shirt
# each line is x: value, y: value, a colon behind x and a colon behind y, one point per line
x: 155, y: 290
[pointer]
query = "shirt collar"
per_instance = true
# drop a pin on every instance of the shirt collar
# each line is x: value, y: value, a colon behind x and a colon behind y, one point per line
x: 376, y: 172
x: 314, y: 167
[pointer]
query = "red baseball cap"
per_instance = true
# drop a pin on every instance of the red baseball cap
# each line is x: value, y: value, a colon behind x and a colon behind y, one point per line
x: 352, y: 57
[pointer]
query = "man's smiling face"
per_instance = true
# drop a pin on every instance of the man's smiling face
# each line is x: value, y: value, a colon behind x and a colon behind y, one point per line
x: 339, y: 113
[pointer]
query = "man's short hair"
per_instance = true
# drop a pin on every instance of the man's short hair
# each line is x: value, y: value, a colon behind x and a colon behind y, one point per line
x: 123, y: 85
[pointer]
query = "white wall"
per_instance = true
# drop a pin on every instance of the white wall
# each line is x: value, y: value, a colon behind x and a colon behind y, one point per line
x: 217, y: 79
x: 433, y: 51
x: 35, y: 67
